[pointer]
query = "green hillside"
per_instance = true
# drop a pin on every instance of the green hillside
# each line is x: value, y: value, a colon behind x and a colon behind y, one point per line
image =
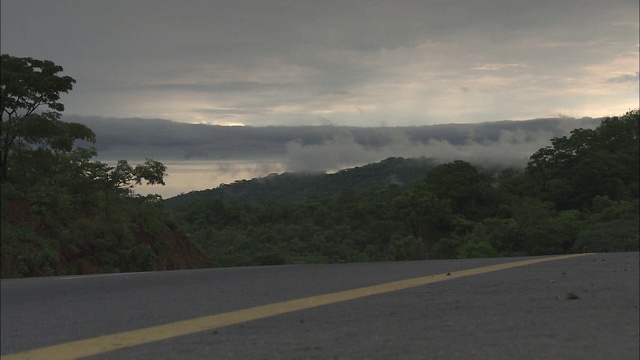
x: 580, y: 194
x: 296, y: 187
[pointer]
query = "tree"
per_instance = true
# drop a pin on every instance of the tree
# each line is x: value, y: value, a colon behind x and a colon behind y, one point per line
x: 27, y: 85
x: 603, y: 161
x: 53, y: 193
x: 122, y: 177
x: 428, y: 217
x: 469, y: 191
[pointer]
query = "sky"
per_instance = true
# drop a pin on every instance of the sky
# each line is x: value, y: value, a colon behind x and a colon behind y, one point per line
x: 305, y: 78
x: 356, y: 63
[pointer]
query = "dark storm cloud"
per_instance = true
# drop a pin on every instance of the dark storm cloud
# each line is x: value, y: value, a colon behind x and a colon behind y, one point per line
x: 625, y: 78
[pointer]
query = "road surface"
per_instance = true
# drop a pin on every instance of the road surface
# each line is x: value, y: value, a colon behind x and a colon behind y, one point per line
x: 583, y: 307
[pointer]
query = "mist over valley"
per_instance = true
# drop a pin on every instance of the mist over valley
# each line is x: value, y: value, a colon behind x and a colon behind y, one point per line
x: 200, y: 156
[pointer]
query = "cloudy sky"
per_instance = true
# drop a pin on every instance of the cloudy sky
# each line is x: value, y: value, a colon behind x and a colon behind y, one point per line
x: 282, y: 67
x: 360, y: 63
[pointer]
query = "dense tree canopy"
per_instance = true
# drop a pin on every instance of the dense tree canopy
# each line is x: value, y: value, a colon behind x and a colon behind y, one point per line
x: 30, y: 118
x: 63, y: 213
x: 603, y: 161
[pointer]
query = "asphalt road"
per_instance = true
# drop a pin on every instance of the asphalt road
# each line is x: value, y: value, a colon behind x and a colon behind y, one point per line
x: 574, y: 308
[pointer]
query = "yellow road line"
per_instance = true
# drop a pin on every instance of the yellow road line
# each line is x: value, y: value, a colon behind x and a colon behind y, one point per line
x: 103, y: 344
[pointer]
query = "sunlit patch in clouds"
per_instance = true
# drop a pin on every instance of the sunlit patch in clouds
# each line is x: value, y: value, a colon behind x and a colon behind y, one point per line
x: 218, y: 122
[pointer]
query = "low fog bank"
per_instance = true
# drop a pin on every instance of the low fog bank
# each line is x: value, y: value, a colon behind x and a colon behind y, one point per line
x: 508, y: 148
x: 200, y: 157
x: 324, y: 148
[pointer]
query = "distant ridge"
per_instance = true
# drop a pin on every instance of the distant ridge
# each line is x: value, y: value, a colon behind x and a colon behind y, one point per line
x: 296, y: 187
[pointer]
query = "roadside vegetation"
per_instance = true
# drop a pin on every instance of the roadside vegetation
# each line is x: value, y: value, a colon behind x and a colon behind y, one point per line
x: 62, y: 213
x: 66, y: 214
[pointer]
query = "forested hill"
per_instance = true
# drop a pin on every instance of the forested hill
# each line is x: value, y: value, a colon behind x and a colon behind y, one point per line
x: 297, y: 187
x: 503, y: 143
x: 580, y: 194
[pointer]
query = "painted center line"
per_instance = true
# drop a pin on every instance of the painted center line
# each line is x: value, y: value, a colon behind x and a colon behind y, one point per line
x: 107, y: 343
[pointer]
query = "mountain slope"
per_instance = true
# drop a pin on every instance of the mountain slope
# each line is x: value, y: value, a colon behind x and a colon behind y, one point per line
x: 298, y: 186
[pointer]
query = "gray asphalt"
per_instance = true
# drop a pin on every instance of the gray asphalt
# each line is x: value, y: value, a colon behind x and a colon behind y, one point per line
x: 521, y: 313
